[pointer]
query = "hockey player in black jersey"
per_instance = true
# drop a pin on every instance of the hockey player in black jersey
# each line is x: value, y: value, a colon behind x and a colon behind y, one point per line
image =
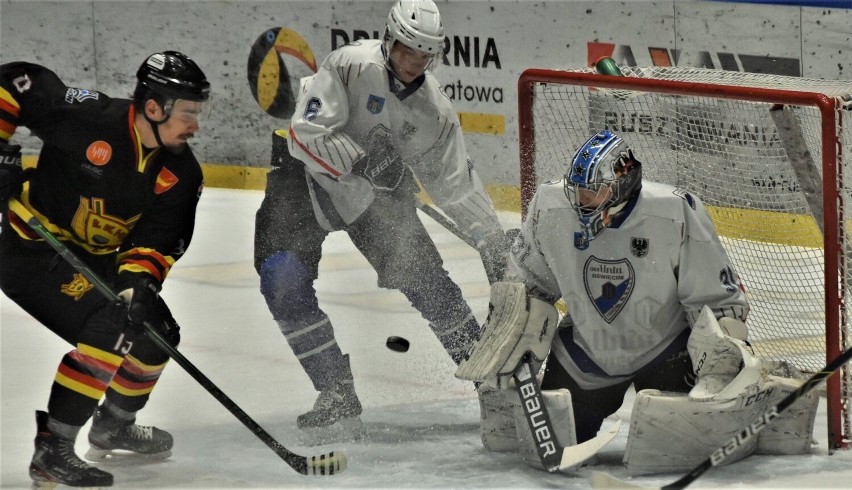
x: 116, y: 181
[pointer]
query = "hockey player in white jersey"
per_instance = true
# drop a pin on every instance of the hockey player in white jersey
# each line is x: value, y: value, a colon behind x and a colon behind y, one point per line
x: 652, y: 301
x: 635, y: 261
x: 368, y: 126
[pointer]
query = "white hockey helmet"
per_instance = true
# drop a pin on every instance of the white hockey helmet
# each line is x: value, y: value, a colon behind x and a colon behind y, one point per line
x: 605, y: 172
x: 416, y: 24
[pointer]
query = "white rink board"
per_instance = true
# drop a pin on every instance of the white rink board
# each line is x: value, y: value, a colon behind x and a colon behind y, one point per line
x: 99, y: 45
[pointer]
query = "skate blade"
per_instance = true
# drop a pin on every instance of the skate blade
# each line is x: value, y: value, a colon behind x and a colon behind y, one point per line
x: 51, y: 485
x: 118, y: 456
x: 345, y: 430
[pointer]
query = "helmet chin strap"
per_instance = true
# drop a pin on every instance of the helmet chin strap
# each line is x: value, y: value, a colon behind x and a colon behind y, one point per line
x: 155, y: 127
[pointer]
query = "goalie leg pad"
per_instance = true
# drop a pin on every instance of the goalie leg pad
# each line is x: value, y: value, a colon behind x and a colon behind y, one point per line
x: 669, y: 432
x: 517, y: 324
x: 559, y: 409
x: 497, y: 419
x: 791, y: 432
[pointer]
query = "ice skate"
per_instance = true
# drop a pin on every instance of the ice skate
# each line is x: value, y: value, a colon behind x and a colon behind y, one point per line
x: 113, y: 439
x: 334, y: 418
x: 55, y: 462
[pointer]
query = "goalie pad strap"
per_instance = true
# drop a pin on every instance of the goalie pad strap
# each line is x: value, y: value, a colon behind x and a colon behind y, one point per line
x: 517, y: 324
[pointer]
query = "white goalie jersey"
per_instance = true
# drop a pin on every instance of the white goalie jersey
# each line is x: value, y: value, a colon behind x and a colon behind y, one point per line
x: 633, y: 291
x: 353, y: 107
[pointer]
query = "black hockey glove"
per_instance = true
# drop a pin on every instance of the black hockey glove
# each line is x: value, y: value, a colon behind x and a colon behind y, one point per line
x: 11, y: 172
x: 140, y: 295
x: 494, y: 250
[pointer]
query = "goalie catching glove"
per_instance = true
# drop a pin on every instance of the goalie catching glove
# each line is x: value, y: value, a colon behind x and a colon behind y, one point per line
x: 517, y: 324
x: 670, y: 432
x: 721, y: 358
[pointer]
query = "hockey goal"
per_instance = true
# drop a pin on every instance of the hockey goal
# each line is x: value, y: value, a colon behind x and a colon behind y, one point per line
x: 766, y: 155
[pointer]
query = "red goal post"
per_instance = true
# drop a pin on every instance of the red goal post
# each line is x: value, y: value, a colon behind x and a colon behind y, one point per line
x: 766, y: 155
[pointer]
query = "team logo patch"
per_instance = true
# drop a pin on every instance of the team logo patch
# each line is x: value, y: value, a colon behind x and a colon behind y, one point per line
x: 609, y: 284
x: 80, y: 94
x: 165, y: 181
x: 686, y: 197
x: 375, y: 104
x: 77, y: 287
x: 99, y: 153
x: 580, y: 241
x: 639, y: 246
x: 407, y: 130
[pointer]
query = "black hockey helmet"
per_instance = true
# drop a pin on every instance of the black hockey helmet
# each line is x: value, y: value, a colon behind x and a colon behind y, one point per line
x: 171, y: 75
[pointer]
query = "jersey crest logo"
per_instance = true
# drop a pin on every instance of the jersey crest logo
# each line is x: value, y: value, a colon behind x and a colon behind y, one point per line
x: 639, y: 246
x: 80, y: 94
x: 609, y: 284
x: 93, y: 225
x: 77, y: 287
x: 375, y: 104
x: 165, y: 181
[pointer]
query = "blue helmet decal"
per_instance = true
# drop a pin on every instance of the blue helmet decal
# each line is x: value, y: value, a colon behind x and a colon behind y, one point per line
x: 586, y: 163
x: 600, y: 179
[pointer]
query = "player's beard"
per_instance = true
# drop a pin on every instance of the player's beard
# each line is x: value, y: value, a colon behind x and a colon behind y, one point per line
x: 178, y: 148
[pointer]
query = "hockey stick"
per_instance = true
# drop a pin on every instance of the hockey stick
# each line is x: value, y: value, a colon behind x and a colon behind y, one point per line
x: 605, y: 480
x: 324, y: 464
x: 445, y: 222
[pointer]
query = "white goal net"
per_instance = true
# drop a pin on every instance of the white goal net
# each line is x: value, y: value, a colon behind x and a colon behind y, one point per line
x: 764, y: 152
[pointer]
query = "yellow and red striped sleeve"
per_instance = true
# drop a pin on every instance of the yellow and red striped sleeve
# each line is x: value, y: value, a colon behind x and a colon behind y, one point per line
x: 146, y: 261
x: 10, y: 112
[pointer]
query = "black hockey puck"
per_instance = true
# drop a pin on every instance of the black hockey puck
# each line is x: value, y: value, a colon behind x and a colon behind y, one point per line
x: 398, y: 344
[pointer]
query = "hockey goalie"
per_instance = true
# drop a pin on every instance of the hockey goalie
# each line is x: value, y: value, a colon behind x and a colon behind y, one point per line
x: 653, y: 302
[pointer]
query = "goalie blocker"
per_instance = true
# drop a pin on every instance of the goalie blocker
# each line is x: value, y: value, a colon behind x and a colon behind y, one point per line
x: 513, y: 344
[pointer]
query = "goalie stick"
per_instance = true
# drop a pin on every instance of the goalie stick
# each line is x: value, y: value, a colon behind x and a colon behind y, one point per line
x: 553, y: 457
x: 324, y: 464
x: 532, y: 402
x: 605, y: 480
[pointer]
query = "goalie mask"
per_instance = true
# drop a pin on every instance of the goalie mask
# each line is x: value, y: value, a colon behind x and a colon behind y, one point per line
x: 416, y: 24
x: 602, y: 177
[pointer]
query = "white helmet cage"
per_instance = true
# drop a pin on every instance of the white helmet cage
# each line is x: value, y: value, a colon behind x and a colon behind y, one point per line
x: 416, y: 24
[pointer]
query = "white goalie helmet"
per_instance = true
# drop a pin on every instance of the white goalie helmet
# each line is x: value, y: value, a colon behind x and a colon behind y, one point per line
x: 602, y: 177
x: 416, y: 24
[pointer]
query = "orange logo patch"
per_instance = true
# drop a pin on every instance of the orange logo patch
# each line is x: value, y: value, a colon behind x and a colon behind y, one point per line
x: 78, y: 287
x: 165, y: 181
x: 99, y: 152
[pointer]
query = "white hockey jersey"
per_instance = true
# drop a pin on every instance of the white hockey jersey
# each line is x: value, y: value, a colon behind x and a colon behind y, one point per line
x: 353, y: 106
x: 635, y: 288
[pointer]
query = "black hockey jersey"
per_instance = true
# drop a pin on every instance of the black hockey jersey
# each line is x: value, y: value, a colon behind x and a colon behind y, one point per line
x: 95, y: 185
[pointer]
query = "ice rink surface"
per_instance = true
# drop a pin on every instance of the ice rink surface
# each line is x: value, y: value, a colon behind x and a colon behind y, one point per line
x: 422, y: 423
